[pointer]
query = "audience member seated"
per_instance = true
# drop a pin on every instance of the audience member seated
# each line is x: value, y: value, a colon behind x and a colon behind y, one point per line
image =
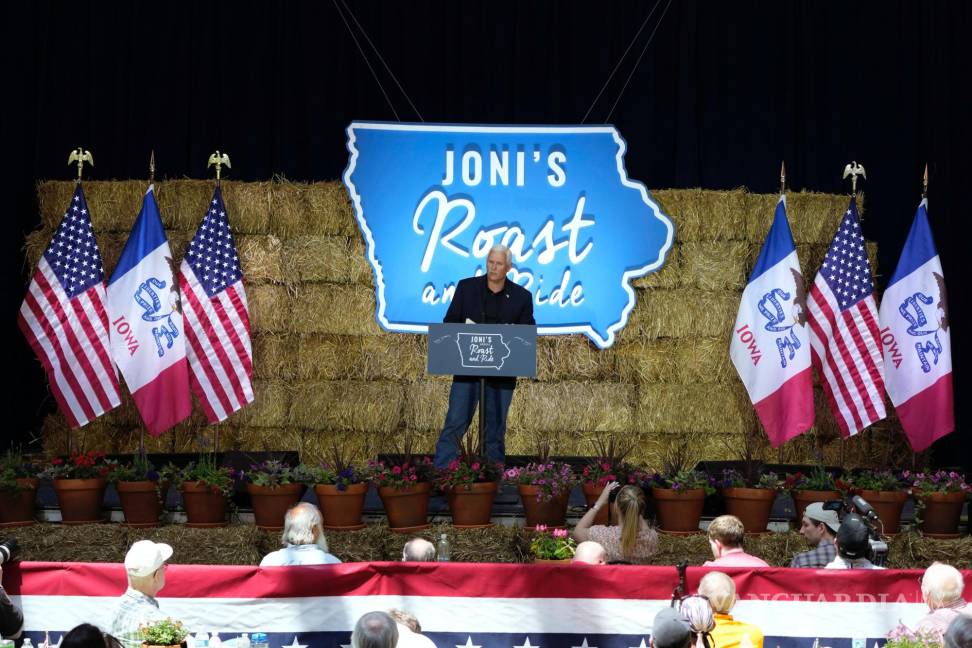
x: 670, y: 630
x: 375, y: 630
x: 88, y: 636
x: 11, y: 618
x: 728, y: 632
x: 632, y: 540
x: 726, y: 535
x: 589, y: 552
x: 303, y: 540
x: 959, y: 633
x: 941, y: 588
x: 853, y: 547
x: 409, y: 630
x: 145, y: 568
x: 418, y: 550
x: 819, y: 527
x: 697, y: 611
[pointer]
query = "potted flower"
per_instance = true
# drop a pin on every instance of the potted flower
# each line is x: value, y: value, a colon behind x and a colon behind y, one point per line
x: 274, y: 486
x: 206, y: 487
x: 679, y: 497
x: 141, y: 489
x: 608, y: 465
x: 404, y: 484
x: 163, y: 633
x: 816, y: 486
x: 79, y: 480
x: 341, y: 488
x: 470, y: 484
x: 886, y: 491
x: 551, y: 545
x: 750, y: 500
x: 939, y: 497
x: 18, y: 490
x: 544, y: 488
x: 905, y: 637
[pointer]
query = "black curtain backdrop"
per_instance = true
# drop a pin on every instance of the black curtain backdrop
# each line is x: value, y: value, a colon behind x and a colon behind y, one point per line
x: 724, y: 92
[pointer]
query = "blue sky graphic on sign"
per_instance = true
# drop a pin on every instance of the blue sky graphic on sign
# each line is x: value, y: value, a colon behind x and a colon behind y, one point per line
x: 432, y: 199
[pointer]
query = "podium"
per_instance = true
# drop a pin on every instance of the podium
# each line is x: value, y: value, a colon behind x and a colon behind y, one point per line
x: 484, y: 350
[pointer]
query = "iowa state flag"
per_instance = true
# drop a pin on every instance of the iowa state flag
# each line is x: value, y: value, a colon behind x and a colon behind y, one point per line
x: 147, y: 337
x: 917, y: 340
x: 770, y: 347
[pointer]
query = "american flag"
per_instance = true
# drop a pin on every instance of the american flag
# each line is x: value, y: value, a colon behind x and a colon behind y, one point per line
x: 217, y: 321
x: 844, y: 333
x: 64, y: 319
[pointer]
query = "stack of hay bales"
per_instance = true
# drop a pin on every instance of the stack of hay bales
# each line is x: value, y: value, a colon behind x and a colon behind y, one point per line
x: 327, y: 375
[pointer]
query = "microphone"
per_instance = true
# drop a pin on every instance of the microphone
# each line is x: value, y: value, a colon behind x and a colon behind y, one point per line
x: 864, y: 508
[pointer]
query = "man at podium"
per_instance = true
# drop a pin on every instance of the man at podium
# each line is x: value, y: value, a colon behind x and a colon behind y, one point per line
x: 489, y: 299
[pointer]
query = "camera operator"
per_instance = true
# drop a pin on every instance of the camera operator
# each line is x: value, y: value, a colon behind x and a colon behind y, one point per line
x: 853, y: 545
x: 11, y: 618
x: 819, y: 526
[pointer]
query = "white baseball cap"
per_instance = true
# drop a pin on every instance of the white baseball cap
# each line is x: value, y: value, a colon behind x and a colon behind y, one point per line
x: 818, y: 513
x: 145, y: 557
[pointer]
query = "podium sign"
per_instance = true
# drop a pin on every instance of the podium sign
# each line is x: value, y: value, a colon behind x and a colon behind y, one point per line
x: 483, y: 350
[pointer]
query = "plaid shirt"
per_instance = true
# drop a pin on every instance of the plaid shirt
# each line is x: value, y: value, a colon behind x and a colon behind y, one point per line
x: 134, y: 609
x: 818, y: 557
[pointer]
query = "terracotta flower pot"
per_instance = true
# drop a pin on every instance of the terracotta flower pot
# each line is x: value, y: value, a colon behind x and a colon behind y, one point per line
x: 204, y: 508
x: 342, y: 509
x: 17, y: 509
x: 751, y: 505
x: 141, y: 502
x: 803, y: 498
x: 940, y: 519
x: 471, y: 505
x: 551, y: 561
x: 679, y: 511
x: 407, y: 509
x: 552, y: 513
x: 591, y: 492
x: 888, y: 506
x: 270, y: 503
x: 80, y: 500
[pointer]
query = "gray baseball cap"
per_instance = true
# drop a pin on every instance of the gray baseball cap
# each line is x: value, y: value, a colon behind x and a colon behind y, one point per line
x: 818, y: 513
x: 670, y: 630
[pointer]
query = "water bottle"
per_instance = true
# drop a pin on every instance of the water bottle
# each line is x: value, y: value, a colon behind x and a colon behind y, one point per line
x: 243, y: 641
x: 259, y: 640
x: 442, y: 549
x: 202, y: 640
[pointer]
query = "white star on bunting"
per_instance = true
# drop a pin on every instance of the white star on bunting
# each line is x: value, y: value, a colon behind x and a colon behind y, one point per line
x: 641, y: 645
x: 584, y: 644
x: 468, y: 644
x: 526, y: 644
x: 295, y: 644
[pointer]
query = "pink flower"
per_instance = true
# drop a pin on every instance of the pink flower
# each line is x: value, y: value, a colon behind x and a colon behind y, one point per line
x: 454, y: 464
x: 540, y: 528
x: 397, y: 470
x: 605, y: 466
x: 475, y: 466
x: 412, y: 477
x: 560, y: 533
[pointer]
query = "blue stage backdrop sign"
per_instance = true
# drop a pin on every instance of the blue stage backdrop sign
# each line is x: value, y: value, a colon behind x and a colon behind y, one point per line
x: 431, y: 200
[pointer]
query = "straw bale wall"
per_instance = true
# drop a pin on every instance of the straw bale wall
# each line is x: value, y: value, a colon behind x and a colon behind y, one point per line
x: 325, y: 372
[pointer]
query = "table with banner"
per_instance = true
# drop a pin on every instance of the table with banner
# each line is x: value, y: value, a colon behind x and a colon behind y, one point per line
x: 465, y: 604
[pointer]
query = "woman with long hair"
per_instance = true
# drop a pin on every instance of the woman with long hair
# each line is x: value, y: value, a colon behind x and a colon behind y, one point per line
x: 632, y: 540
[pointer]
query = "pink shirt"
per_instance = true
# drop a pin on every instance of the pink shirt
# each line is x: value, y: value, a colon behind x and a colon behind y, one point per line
x: 736, y: 558
x: 937, y: 621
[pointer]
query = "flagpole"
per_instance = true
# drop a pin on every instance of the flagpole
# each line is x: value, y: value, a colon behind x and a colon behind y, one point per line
x: 924, y: 184
x: 218, y: 159
x: 782, y: 178
x: 853, y: 169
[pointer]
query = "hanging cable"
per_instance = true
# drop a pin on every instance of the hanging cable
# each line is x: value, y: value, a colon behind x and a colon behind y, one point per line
x: 643, y: 50
x: 620, y: 61
x: 378, y: 54
x: 367, y: 62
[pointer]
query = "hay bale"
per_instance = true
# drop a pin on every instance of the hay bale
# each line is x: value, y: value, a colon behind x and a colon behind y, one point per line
x: 184, y: 203
x: 317, y: 208
x: 248, y: 206
x: 316, y: 446
x: 347, y: 405
x: 261, y: 258
x: 271, y: 308
x: 34, y: 245
x: 270, y: 407
x: 566, y: 357
x: 249, y: 438
x: 320, y: 258
x: 275, y: 356
x: 686, y: 409
x: 576, y: 406
x: 707, y: 215
x: 359, y: 268
x: 683, y: 313
x: 53, y: 198
x: 335, y: 309
x: 426, y: 402
x: 717, y: 265
x: 813, y: 216
x: 669, y: 275
x: 676, y: 360
x: 388, y: 356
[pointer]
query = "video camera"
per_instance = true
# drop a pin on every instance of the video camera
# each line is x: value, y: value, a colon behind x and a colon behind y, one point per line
x: 857, y: 505
x: 8, y: 549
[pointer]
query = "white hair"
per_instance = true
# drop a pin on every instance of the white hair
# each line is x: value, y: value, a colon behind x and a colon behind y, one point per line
x: 299, y: 525
x: 941, y: 585
x: 720, y: 590
x: 375, y: 630
x: 418, y: 550
x: 505, y: 251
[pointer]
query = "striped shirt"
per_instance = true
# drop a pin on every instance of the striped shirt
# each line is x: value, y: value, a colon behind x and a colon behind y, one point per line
x: 134, y: 609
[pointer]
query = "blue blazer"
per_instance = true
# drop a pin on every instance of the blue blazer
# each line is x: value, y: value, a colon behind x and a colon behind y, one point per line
x: 470, y: 295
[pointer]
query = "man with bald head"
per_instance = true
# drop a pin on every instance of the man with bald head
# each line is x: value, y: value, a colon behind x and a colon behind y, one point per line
x: 590, y: 552
x: 418, y: 550
x: 487, y: 299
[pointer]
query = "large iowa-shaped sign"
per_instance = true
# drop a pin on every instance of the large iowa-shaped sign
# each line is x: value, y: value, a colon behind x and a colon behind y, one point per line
x: 431, y: 200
